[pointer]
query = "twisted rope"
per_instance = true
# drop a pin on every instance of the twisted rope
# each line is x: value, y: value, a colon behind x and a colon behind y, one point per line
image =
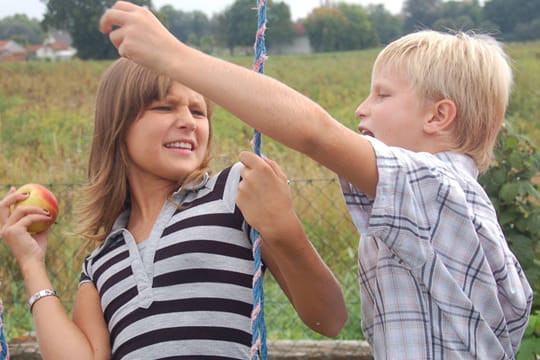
x: 4, y: 350
x: 258, y: 327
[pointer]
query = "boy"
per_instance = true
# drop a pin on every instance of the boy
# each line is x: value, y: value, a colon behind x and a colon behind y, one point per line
x: 437, y: 278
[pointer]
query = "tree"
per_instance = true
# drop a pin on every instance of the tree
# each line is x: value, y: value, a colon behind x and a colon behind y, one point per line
x: 527, y: 31
x: 324, y: 27
x: 340, y: 28
x: 387, y: 26
x: 189, y: 27
x: 459, y: 15
x: 80, y: 18
x: 507, y: 14
x: 240, y: 24
x: 280, y: 25
x: 420, y: 14
x: 21, y: 29
x: 359, y: 31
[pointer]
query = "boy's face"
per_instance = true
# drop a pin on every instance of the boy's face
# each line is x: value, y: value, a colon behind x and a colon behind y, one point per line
x: 393, y: 112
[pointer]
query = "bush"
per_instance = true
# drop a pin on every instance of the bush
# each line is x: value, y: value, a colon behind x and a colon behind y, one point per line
x: 512, y: 185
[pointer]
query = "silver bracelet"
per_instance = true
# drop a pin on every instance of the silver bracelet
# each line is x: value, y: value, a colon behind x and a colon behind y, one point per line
x: 40, y: 295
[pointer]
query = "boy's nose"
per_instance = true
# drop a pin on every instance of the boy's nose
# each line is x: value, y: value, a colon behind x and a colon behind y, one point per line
x: 362, y: 110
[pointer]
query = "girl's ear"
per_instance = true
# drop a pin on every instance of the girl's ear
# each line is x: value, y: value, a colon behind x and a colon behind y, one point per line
x: 443, y: 117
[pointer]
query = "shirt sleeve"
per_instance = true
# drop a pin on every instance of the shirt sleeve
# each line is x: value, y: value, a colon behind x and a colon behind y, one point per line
x: 86, y: 272
x: 410, y: 188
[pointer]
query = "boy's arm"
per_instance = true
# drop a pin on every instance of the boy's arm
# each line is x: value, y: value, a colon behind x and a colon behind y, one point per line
x: 265, y: 201
x: 264, y: 103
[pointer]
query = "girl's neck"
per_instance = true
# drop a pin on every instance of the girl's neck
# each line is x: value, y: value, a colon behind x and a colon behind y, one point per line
x: 146, y: 204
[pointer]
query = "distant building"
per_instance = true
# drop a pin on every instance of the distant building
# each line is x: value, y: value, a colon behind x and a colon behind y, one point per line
x: 56, y: 47
x: 11, y: 51
x: 299, y: 44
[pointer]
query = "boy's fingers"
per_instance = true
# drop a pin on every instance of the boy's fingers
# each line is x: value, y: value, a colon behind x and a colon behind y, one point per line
x: 110, y: 18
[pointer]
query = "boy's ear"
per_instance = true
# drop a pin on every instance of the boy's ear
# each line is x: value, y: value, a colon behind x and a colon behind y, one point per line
x: 444, y: 114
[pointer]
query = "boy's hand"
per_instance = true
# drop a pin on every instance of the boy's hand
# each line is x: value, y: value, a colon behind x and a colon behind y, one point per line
x: 137, y: 33
x: 264, y: 196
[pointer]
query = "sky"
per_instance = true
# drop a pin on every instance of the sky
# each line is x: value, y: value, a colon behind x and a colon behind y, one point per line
x: 299, y: 8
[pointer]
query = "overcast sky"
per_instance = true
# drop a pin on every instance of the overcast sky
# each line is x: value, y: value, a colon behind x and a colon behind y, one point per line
x: 299, y: 8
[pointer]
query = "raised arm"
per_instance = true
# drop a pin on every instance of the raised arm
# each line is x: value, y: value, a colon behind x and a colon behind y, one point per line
x: 264, y: 103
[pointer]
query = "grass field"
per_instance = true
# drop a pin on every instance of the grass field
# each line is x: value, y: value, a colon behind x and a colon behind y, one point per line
x: 46, y: 114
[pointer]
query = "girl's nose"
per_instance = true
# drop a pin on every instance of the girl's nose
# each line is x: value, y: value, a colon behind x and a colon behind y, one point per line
x: 185, y: 119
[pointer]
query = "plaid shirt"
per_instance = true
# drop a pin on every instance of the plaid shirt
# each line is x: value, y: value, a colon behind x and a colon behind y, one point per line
x: 437, y: 278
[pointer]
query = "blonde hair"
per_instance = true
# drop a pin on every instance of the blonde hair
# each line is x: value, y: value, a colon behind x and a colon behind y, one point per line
x: 125, y: 91
x: 472, y: 70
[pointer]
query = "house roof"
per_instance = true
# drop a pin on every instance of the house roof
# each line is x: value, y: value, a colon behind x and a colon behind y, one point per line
x: 58, y: 45
x: 33, y: 47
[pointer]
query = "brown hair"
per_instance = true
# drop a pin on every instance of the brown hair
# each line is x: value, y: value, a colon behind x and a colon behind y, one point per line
x: 125, y: 91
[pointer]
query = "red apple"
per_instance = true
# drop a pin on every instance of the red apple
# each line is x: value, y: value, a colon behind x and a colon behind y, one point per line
x: 39, y: 196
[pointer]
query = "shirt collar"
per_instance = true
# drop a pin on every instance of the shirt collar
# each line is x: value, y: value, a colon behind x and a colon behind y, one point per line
x: 121, y: 221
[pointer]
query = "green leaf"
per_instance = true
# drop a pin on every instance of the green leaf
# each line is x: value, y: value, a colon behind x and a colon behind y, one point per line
x: 509, y: 192
x: 511, y: 141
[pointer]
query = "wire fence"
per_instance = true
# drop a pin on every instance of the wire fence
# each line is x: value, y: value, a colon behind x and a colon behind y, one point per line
x: 321, y: 208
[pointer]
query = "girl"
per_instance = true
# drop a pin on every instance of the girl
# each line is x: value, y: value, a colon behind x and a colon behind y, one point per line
x: 172, y: 276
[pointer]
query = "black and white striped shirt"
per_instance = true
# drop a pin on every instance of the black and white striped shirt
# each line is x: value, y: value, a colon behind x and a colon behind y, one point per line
x: 188, y: 293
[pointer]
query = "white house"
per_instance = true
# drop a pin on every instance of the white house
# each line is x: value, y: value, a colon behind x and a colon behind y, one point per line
x: 55, y: 49
x: 11, y: 51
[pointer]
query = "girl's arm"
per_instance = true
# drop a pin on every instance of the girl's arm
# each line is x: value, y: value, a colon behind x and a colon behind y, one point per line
x: 265, y: 201
x: 58, y: 336
x: 264, y: 103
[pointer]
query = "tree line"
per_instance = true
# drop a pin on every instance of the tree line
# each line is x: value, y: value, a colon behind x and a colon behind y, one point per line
x: 337, y: 26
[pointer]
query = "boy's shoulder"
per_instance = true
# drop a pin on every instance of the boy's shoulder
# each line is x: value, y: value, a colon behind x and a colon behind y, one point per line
x: 444, y: 163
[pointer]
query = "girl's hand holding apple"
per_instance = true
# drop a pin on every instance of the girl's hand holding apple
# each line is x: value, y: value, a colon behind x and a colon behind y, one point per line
x: 25, y: 216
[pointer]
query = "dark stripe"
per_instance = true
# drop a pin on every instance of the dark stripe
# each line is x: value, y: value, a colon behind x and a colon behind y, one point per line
x: 114, y: 279
x: 182, y: 333
x: 204, y: 246
x: 234, y: 221
x: 110, y: 245
x: 202, y: 276
x: 119, y: 301
x: 183, y: 305
x: 107, y: 264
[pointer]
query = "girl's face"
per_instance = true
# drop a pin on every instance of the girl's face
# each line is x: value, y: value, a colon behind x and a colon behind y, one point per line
x: 170, y: 139
x: 393, y: 112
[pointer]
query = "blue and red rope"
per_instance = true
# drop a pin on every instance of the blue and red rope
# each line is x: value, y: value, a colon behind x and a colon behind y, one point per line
x: 258, y: 327
x: 4, y: 350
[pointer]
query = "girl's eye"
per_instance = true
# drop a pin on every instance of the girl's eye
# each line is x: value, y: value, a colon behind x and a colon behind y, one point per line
x: 198, y: 113
x: 162, y: 108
